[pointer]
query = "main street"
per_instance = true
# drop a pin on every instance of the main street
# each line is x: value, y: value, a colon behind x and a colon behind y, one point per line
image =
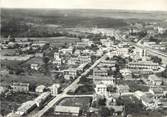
x: 67, y: 89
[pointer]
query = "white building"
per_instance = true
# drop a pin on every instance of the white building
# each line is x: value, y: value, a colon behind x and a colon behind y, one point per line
x: 155, y: 80
x: 67, y: 111
x: 54, y: 89
x: 120, y: 52
x: 143, y: 65
x: 101, y: 89
x: 35, y: 66
x: 57, y: 60
x: 26, y: 108
x: 40, y: 89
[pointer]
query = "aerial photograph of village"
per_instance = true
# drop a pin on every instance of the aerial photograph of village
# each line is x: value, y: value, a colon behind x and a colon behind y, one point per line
x: 86, y: 58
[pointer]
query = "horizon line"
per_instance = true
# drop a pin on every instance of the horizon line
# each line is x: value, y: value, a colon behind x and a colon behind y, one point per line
x: 135, y: 10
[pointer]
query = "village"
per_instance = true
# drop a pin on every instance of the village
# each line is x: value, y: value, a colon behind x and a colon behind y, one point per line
x: 117, y: 74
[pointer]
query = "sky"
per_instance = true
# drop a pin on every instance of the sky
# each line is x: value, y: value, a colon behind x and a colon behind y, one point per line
x: 148, y: 5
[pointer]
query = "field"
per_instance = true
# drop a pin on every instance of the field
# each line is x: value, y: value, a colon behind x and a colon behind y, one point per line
x: 35, y: 78
x: 83, y: 102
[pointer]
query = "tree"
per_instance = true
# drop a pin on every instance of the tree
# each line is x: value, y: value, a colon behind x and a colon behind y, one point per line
x: 156, y: 59
x: 104, y: 112
x: 102, y: 101
x: 46, y: 61
x: 163, y: 73
x: 111, y: 88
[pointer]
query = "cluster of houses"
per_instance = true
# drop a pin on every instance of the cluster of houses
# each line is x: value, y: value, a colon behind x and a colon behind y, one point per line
x: 77, y: 59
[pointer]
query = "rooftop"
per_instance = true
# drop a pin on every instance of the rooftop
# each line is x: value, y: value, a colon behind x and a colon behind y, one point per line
x: 67, y: 109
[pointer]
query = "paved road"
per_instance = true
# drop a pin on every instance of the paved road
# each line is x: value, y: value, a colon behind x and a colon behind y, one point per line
x: 70, y: 87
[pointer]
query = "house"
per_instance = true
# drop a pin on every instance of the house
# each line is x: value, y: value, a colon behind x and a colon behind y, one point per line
x: 40, y: 89
x: 156, y: 91
x: 108, y: 80
x: 35, y: 63
x: 126, y: 73
x: 162, y: 103
x: 100, y: 72
x: 77, y: 52
x: 20, y: 87
x: 66, y: 50
x: 35, y: 66
x: 38, y: 44
x: 57, y: 61
x: 39, y: 55
x: 2, y: 90
x: 82, y: 44
x: 70, y: 73
x: 138, y: 53
x: 101, y: 89
x: 107, y: 63
x: 88, y: 52
x: 148, y: 43
x: 84, y: 59
x: 82, y: 67
x: 122, y: 89
x: 56, y: 55
x: 25, y: 108
x: 67, y: 111
x: 106, y: 42
x: 155, y: 80
x: 121, y: 52
x: 139, y: 94
x: 54, y: 89
x: 147, y: 100
x: 73, y: 61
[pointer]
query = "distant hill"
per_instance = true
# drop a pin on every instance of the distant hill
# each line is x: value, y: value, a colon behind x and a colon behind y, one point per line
x: 20, y: 22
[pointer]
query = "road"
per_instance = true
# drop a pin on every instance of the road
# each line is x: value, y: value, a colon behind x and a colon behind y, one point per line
x: 153, y: 52
x: 67, y: 89
x: 150, y: 51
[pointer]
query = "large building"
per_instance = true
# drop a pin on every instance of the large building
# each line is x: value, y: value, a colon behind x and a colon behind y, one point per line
x: 108, y: 80
x: 26, y: 108
x: 20, y: 87
x: 68, y: 111
x: 143, y: 65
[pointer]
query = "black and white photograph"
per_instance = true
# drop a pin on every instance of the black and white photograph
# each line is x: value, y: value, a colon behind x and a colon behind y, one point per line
x: 83, y: 58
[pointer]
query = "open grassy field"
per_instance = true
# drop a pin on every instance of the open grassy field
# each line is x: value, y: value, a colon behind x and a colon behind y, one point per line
x: 34, y: 78
x: 83, y: 102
